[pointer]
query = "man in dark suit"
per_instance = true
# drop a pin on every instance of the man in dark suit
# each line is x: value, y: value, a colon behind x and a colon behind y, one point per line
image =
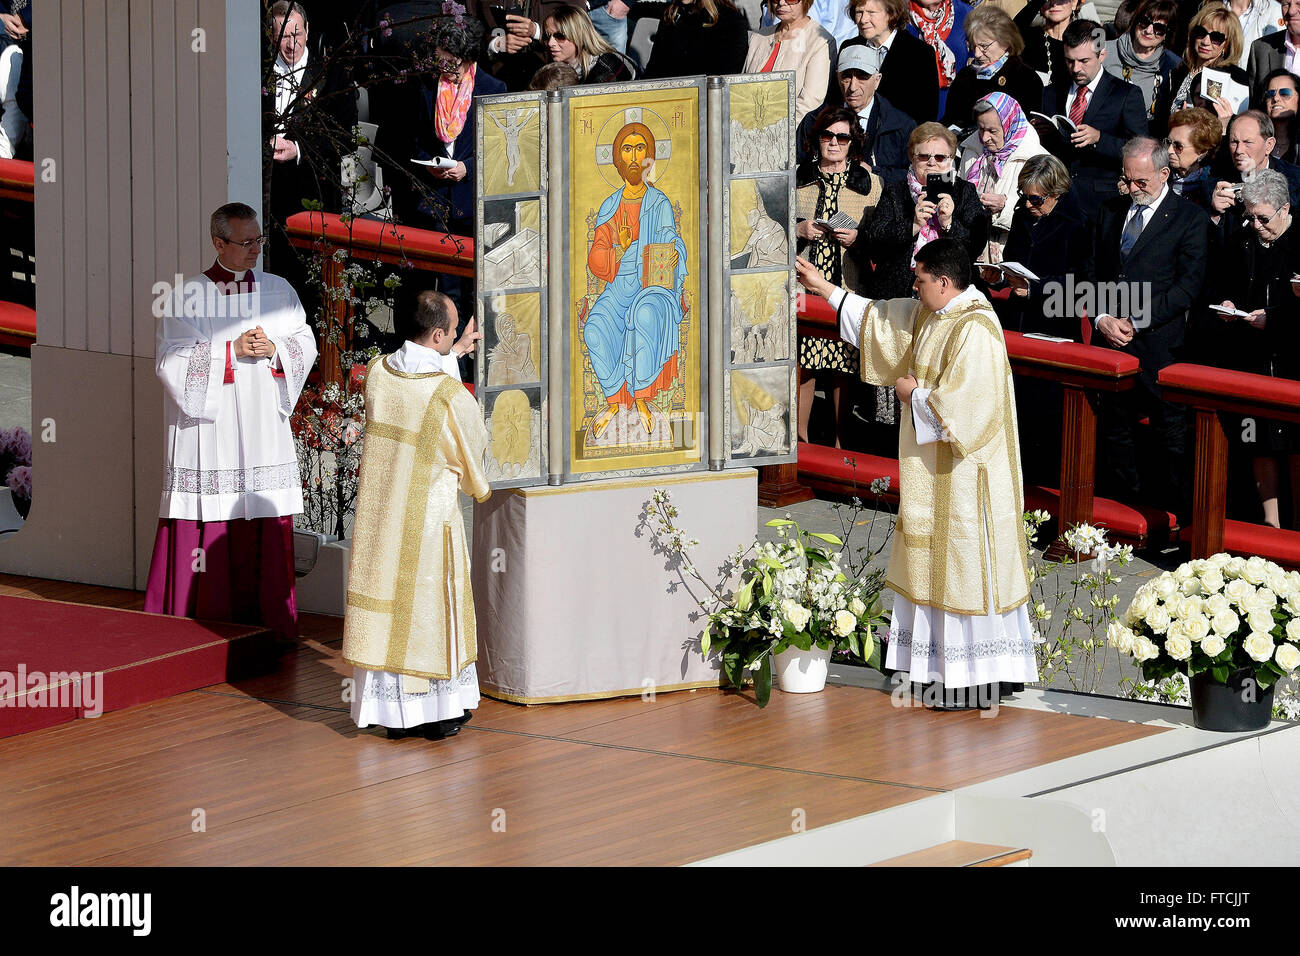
x: 860, y: 73
x: 1146, y: 267
x: 1105, y: 110
x: 1271, y: 52
x: 909, y: 80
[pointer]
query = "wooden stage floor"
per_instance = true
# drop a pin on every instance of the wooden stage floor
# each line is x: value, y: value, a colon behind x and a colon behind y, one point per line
x: 279, y: 774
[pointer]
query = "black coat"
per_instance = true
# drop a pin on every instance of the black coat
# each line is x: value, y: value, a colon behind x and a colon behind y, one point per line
x: 1166, y: 267
x: 908, y: 78
x: 1118, y: 112
x: 1051, y: 247
x: 1164, y: 105
x: 418, y: 139
x: 681, y: 47
x: 890, y: 236
x: 1016, y: 78
x: 887, y: 133
x: 1043, y: 53
x: 1252, y: 277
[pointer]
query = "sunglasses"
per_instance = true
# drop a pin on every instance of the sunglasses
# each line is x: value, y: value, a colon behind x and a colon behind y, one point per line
x: 557, y: 37
x: 1262, y: 220
x: 1200, y: 33
x: 247, y: 243
x: 932, y: 157
x: 1139, y: 183
x: 1286, y: 93
x: 1172, y: 146
x: 826, y: 136
x: 1032, y: 200
x: 1156, y: 27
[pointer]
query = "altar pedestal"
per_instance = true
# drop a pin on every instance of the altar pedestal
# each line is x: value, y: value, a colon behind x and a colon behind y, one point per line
x: 572, y: 604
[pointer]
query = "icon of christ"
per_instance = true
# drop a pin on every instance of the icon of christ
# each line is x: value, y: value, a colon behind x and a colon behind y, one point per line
x: 632, y: 331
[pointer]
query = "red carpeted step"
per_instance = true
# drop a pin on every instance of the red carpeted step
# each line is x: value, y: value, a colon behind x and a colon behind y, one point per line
x: 142, y: 657
x: 1274, y: 544
x: 1133, y: 522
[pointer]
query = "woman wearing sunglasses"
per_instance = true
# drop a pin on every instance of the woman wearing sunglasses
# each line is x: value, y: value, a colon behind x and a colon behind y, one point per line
x: 1140, y: 57
x: 1281, y: 101
x: 571, y: 38
x: 836, y: 182
x: 1214, y: 41
x: 1254, y: 276
x: 991, y: 160
x: 1193, y: 139
x: 917, y: 211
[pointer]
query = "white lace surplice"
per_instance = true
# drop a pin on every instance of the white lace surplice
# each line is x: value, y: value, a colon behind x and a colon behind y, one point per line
x: 958, y: 650
x: 393, y: 700
x: 228, y: 451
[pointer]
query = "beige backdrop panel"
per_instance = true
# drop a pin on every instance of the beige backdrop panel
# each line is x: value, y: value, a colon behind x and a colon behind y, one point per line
x: 573, y: 605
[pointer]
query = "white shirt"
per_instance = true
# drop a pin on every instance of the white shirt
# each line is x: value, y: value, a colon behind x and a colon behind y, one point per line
x: 287, y: 80
x: 413, y: 359
x: 1292, y: 54
x: 864, y: 114
x: 1074, y: 93
x: 1259, y: 20
x: 1149, y: 215
x: 834, y: 16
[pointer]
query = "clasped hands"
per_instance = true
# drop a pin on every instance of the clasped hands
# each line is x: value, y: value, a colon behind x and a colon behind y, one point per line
x: 1118, y: 332
x: 254, y: 344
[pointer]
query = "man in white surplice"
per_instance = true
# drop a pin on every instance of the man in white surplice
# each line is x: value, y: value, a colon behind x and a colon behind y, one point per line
x: 958, y: 564
x: 233, y: 352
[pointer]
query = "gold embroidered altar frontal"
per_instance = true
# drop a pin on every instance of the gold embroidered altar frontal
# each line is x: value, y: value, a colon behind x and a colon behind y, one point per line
x: 409, y: 594
x: 949, y: 492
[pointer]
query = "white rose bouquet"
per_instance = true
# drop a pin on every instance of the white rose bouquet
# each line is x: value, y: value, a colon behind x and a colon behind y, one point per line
x: 792, y: 592
x: 1218, y: 615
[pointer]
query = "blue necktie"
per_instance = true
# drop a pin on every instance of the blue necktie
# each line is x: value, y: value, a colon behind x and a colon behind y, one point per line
x: 1132, y: 231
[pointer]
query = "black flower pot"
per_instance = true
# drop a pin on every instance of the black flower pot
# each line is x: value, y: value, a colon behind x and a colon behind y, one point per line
x: 1240, y: 704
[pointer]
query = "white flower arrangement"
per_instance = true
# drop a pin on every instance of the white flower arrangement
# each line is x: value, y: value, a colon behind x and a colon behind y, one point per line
x: 1219, y: 614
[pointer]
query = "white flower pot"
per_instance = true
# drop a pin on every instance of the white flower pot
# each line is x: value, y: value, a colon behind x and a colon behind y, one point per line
x: 802, y: 672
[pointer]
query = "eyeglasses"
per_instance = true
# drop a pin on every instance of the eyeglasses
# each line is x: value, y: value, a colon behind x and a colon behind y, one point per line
x: 255, y: 241
x: 557, y: 37
x: 1173, y: 145
x: 1057, y: 3
x: 1032, y: 200
x: 773, y: 4
x: 826, y: 136
x: 1286, y: 93
x: 449, y: 65
x: 1139, y: 183
x: 981, y: 47
x: 932, y: 157
x: 1200, y: 33
x: 1146, y: 23
x: 1262, y: 220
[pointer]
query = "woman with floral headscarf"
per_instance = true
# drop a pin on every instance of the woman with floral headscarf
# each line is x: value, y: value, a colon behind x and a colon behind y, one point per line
x: 991, y: 160
x: 941, y: 23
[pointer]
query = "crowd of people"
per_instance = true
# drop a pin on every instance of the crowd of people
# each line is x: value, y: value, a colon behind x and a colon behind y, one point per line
x: 1143, y: 150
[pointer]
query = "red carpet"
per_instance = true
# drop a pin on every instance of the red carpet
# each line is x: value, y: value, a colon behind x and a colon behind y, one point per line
x: 46, y: 645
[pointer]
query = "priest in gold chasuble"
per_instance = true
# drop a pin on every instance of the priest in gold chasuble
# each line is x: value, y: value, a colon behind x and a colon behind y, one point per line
x: 958, y: 563
x: 409, y: 625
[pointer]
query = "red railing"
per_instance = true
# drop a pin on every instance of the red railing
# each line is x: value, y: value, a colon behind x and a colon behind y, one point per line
x: 17, y: 321
x: 1082, y: 370
x: 1210, y: 391
x: 372, y: 241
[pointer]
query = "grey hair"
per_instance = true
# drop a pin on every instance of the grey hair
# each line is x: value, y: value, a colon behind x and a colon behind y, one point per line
x: 1267, y: 186
x: 982, y: 107
x: 219, y: 224
x: 1139, y: 147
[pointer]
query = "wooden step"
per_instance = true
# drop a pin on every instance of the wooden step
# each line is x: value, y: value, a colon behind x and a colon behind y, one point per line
x: 960, y: 853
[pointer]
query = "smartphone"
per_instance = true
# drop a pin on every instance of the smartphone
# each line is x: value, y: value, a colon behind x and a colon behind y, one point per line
x: 936, y: 185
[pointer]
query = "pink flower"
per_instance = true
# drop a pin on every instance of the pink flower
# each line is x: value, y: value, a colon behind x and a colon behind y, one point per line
x: 20, y: 482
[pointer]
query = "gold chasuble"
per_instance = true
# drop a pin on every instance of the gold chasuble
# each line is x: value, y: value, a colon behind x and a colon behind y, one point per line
x: 409, y: 605
x: 950, y: 492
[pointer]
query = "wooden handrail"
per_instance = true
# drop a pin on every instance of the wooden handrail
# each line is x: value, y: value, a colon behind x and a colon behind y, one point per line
x: 1210, y: 391
x: 17, y: 180
x: 372, y: 241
